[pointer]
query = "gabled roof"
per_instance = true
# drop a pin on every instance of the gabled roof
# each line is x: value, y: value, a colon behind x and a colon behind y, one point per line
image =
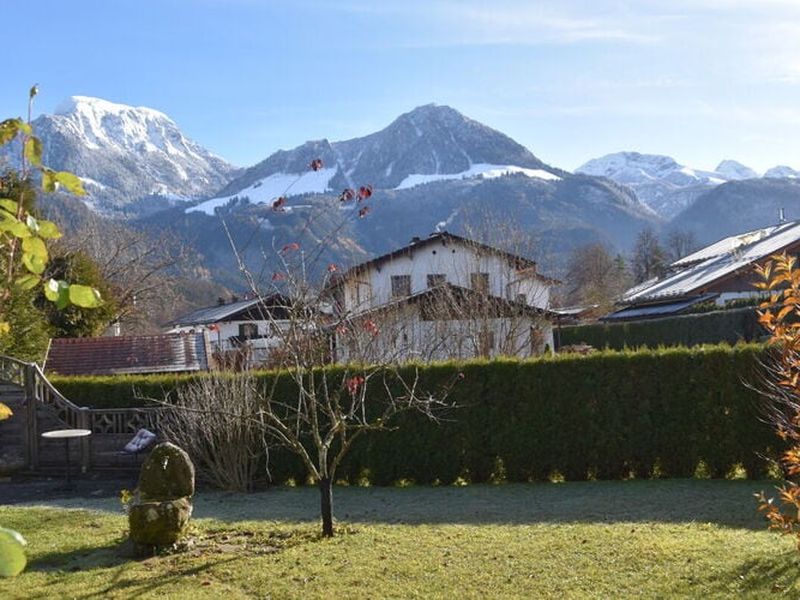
x: 458, y: 294
x: 249, y: 309
x: 525, y: 266
x: 167, y: 353
x: 693, y: 274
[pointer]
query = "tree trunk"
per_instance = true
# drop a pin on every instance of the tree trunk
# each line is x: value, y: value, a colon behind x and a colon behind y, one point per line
x: 326, y: 506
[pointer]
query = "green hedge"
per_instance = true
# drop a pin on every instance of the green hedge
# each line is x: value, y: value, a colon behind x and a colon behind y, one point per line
x: 608, y: 415
x: 731, y: 326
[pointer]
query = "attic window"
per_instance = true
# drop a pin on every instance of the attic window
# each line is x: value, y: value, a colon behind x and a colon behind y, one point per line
x: 401, y: 286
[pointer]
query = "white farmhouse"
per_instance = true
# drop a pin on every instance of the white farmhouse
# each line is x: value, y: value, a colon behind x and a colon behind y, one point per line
x: 239, y: 330
x: 443, y: 297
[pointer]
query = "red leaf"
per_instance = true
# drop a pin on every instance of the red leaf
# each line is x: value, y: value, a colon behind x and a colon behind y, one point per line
x: 353, y: 384
x: 290, y: 247
x: 277, y: 205
x: 332, y: 268
x: 364, y: 192
x: 347, y: 195
x: 316, y: 164
x: 363, y: 211
x: 370, y: 326
x: 276, y: 276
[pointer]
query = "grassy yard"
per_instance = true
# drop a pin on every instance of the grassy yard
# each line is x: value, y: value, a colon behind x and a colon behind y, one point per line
x: 652, y: 539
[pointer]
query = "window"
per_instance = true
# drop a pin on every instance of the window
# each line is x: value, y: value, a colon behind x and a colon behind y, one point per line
x: 479, y: 282
x: 435, y: 279
x: 248, y: 331
x: 401, y: 285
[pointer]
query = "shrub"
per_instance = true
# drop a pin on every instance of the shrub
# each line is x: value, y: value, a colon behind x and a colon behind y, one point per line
x: 607, y: 415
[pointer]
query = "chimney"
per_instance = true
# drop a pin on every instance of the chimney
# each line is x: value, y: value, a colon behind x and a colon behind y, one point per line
x: 220, y: 301
x: 415, y: 239
x: 781, y: 215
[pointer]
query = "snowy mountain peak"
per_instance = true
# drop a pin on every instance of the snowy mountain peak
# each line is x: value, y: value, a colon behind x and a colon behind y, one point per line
x: 662, y: 183
x: 89, y: 105
x: 735, y: 171
x: 427, y: 144
x: 782, y: 172
x: 125, y: 153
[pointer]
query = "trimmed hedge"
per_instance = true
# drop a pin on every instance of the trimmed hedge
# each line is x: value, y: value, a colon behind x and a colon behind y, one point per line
x: 608, y: 415
x: 731, y: 326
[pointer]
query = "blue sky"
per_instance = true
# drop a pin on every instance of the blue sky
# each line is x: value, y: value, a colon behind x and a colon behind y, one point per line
x: 700, y: 80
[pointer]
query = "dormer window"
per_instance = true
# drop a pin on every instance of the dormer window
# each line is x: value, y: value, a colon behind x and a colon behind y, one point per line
x: 401, y: 286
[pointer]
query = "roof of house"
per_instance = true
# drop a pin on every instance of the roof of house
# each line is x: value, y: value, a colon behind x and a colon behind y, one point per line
x: 526, y: 267
x: 166, y: 353
x: 692, y: 274
x: 458, y: 294
x: 224, y: 312
x: 661, y: 309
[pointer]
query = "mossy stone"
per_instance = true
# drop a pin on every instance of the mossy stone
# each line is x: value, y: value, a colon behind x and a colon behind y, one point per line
x: 159, y: 523
x: 166, y: 474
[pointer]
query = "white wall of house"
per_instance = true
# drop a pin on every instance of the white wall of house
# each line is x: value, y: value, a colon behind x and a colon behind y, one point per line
x: 403, y: 335
x: 455, y: 260
x: 226, y: 337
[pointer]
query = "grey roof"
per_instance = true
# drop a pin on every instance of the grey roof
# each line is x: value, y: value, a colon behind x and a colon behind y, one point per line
x: 214, y: 314
x: 692, y: 274
x: 663, y: 309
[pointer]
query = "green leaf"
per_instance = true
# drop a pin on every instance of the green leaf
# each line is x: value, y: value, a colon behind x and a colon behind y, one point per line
x: 9, y: 130
x: 49, y: 230
x: 52, y: 179
x: 84, y: 296
x: 9, y: 204
x: 33, y: 150
x: 34, y: 91
x: 33, y: 263
x: 12, y: 553
x: 15, y: 228
x: 36, y: 247
x: 27, y: 282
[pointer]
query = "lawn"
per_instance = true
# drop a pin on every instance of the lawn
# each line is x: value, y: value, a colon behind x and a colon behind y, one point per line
x: 650, y: 539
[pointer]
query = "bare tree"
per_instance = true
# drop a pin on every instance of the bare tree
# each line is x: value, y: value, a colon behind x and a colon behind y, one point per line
x: 327, y: 409
x: 595, y: 276
x: 680, y: 243
x: 649, y: 257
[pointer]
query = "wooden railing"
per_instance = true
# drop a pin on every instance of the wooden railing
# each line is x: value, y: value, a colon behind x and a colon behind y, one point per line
x: 40, y: 392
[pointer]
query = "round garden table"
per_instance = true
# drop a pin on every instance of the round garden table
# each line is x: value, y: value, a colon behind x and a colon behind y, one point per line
x: 66, y: 435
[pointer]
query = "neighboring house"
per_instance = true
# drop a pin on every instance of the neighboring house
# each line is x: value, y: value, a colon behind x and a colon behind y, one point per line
x: 242, y: 328
x: 720, y: 272
x: 442, y: 297
x: 147, y: 354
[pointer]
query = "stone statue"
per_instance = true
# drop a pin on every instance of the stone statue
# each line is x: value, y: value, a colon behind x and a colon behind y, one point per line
x: 159, y: 514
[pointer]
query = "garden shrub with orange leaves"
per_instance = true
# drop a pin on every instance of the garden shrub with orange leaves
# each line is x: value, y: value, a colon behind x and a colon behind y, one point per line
x: 780, y: 316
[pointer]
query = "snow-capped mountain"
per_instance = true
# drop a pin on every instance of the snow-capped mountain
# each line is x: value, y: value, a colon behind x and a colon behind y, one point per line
x: 430, y: 143
x: 660, y: 181
x: 735, y: 171
x: 782, y: 172
x: 124, y: 153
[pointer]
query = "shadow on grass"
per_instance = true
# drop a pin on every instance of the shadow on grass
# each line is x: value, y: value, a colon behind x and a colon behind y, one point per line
x: 775, y: 574
x: 725, y: 503
x: 115, y: 558
x: 721, y: 502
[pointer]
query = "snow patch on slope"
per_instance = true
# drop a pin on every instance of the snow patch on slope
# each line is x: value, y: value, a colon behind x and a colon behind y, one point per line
x: 484, y: 170
x: 269, y: 188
